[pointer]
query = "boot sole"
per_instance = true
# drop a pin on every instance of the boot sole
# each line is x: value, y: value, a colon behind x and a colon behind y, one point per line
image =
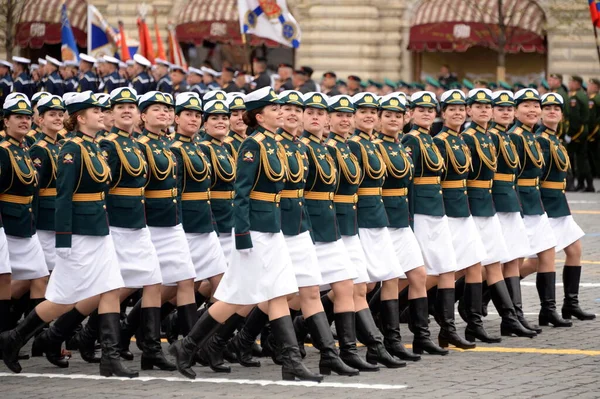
x: 293, y: 377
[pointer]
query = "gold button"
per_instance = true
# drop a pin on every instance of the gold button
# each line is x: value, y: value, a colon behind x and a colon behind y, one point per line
x: 145, y: 176
x: 406, y: 199
x: 353, y: 206
x: 563, y: 191
x: 331, y: 207
x: 537, y: 188
x: 440, y: 191
x: 490, y: 191
x: 208, y: 202
x: 381, y: 200
x: 300, y: 203
x: 30, y: 210
x: 174, y: 200
x: 513, y: 187
x: 34, y: 184
x: 232, y: 204
x: 277, y: 205
x: 143, y: 201
x: 104, y: 206
x: 465, y: 191
x: 284, y: 180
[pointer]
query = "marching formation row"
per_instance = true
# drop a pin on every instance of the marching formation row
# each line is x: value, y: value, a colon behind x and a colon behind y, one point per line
x: 263, y: 203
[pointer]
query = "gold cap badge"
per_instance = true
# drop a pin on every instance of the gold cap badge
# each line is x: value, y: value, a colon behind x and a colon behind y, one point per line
x: 193, y: 102
x: 344, y: 102
x: 426, y: 99
x: 220, y: 96
x: 504, y: 97
x: 368, y: 99
x: 218, y: 106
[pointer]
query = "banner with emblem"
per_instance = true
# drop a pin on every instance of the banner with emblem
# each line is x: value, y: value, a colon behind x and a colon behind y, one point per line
x: 102, y: 38
x: 270, y: 19
x: 69, y: 49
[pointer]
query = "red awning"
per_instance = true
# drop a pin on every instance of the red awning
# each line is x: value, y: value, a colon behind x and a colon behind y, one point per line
x: 40, y: 22
x: 215, y: 21
x: 437, y: 26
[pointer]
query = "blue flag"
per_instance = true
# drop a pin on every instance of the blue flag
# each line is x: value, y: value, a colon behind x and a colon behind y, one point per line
x: 69, y: 47
x: 102, y: 38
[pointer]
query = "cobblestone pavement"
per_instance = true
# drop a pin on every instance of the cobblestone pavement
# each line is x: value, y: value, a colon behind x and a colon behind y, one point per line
x: 560, y: 363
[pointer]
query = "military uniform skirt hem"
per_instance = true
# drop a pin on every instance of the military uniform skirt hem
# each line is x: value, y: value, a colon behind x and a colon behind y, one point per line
x: 515, y: 235
x: 137, y: 257
x: 173, y: 254
x: 334, y: 263
x: 382, y: 262
x: 90, y: 270
x: 207, y: 255
x: 566, y: 231
x: 260, y: 273
x: 540, y: 233
x: 4, y: 256
x: 304, y: 258
x: 27, y: 261
x: 468, y: 246
x: 490, y: 232
x: 435, y: 239
x: 226, y: 241
x: 48, y: 241
x: 407, y: 248
x: 357, y: 258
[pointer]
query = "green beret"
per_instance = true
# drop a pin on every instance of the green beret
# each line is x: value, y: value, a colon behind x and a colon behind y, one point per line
x: 504, y: 85
x: 545, y: 85
x: 455, y: 86
x: 468, y: 84
x: 518, y: 86
x: 400, y: 84
x: 577, y: 78
x: 432, y: 82
x: 389, y: 82
x: 493, y: 85
x: 341, y: 103
x: 293, y: 97
x: 595, y: 81
x: 418, y: 86
x: 261, y: 98
x: 315, y: 100
x: 188, y: 101
x: 340, y: 82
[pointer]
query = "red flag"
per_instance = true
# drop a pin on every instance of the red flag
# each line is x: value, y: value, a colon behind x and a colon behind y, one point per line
x: 160, y: 51
x: 175, y: 52
x: 595, y: 12
x: 123, y: 43
x: 145, y: 48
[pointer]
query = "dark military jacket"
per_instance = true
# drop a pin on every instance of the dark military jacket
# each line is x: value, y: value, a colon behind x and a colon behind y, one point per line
x: 594, y: 123
x: 24, y: 84
x: 260, y: 174
x: 143, y: 83
x: 530, y: 170
x: 164, y: 84
x: 6, y: 87
x: 457, y: 159
x: 233, y: 141
x: 579, y: 115
x: 18, y: 185
x: 504, y: 187
x: 554, y: 176
x: 111, y: 82
x: 54, y: 84
x: 82, y: 179
x: 71, y: 85
x: 44, y: 155
x: 89, y: 81
x: 129, y: 171
x: 398, y: 183
x: 483, y: 167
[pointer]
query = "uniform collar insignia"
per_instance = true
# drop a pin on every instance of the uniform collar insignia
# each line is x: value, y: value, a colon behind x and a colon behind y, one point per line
x: 338, y: 137
x: 215, y: 141
x: 388, y: 138
x: 363, y: 135
x: 287, y: 136
x: 182, y: 138
x: 479, y: 129
x: 49, y: 139
x: 13, y: 141
x: 422, y: 130
x: 85, y: 137
x: 122, y: 133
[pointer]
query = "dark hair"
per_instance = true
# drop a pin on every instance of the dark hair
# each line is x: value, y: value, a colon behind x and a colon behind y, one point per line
x: 249, y: 118
x: 206, y: 116
x: 71, y: 123
x: 380, y: 112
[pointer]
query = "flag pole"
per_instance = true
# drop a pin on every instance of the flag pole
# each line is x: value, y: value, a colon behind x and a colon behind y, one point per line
x: 248, y: 64
x: 597, y: 43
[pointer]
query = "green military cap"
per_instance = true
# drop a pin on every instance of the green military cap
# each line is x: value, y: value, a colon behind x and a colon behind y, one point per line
x: 432, y: 82
x: 389, y: 82
x: 354, y: 78
x: 584, y: 86
x: 365, y: 100
x: 215, y: 107
x: 364, y: 84
x: 392, y: 102
x: 292, y: 97
x: 453, y: 97
x: 455, y: 86
x: 48, y: 103
x: 235, y: 101
x: 214, y: 95
x: 595, y: 81
x: 532, y: 85
x: 123, y: 95
x: 503, y: 98
x: 518, y: 86
x: 315, y: 100
x: 545, y: 85
x: 16, y: 94
x: 577, y: 78
x: 418, y: 86
x: 481, y: 82
x: 557, y: 76
x: 341, y: 103
x: 372, y: 82
x: 170, y: 99
x: 152, y: 97
x: 493, y: 85
x: 424, y: 99
x: 467, y: 83
x: 340, y: 82
x: 481, y: 96
x: 526, y: 95
x: 188, y: 101
x: 552, y: 99
x: 37, y: 96
x: 104, y: 100
x: 80, y: 101
x: 400, y: 84
x: 17, y: 105
x: 504, y: 85
x: 261, y: 98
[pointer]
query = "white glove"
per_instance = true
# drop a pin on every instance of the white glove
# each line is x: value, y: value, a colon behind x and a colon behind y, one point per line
x: 567, y: 138
x: 63, y: 252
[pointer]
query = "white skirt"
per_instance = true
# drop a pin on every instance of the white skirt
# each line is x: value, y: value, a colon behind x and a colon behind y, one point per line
x: 304, y: 258
x: 490, y: 232
x: 540, y: 234
x: 173, y: 254
x: 334, y: 263
x: 48, y: 241
x: 407, y: 248
x: 137, y: 256
x: 260, y: 273
x: 435, y: 240
x: 566, y: 230
x: 4, y: 256
x: 26, y: 256
x: 207, y: 254
x: 468, y: 247
x: 90, y: 270
x: 515, y: 235
x: 226, y: 241
x: 382, y: 262
x: 357, y: 258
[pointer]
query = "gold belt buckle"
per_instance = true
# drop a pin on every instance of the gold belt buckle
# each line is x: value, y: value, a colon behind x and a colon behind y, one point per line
x: 277, y: 198
x: 355, y: 198
x: 331, y: 196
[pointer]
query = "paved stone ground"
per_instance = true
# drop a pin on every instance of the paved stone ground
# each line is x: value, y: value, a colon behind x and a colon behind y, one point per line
x: 559, y: 363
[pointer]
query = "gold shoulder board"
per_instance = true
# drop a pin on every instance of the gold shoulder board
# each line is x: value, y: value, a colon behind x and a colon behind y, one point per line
x: 259, y: 137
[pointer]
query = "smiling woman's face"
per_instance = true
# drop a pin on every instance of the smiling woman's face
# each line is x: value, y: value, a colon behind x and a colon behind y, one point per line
x: 156, y: 117
x: 365, y: 119
x: 217, y: 126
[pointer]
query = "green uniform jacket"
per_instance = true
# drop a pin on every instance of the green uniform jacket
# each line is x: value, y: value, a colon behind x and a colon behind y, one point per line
x: 163, y: 209
x: 294, y: 216
x: 222, y: 178
x: 260, y: 172
x: 505, y: 192
x: 44, y: 155
x: 18, y: 186
x: 564, y: 125
x: 556, y: 164
x: 427, y: 198
x: 349, y: 177
x: 579, y: 115
x: 33, y: 136
x: 371, y: 209
x: 399, y: 176
x: 594, y: 124
x: 483, y: 167
x: 81, y: 170
x: 129, y: 170
x: 233, y: 143
x: 322, y: 178
x: 457, y: 159
x: 532, y: 160
x: 193, y: 178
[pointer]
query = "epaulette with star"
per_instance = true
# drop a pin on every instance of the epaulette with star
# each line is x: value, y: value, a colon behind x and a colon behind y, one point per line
x: 518, y: 130
x: 111, y: 136
x: 31, y: 133
x: 377, y: 141
x: 331, y: 142
x: 356, y: 139
x: 442, y: 136
x: 470, y: 131
x: 228, y: 140
x: 177, y: 144
x: 258, y: 137
x: 278, y: 138
x: 42, y: 143
x: 414, y: 133
x: 143, y: 139
x: 305, y: 140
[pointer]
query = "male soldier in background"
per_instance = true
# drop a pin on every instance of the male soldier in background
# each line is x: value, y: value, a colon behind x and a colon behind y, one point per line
x: 227, y: 83
x: 285, y: 72
x: 261, y: 77
x: 594, y: 126
x: 353, y: 85
x: 329, y: 84
x: 576, y: 138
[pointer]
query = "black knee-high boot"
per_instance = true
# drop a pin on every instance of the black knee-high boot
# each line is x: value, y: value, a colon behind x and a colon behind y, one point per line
x: 129, y: 326
x: 473, y: 306
x: 510, y: 324
x: 241, y: 344
x: 4, y: 314
x: 13, y: 340
x: 374, y: 300
x: 152, y: 355
x: 419, y: 325
x: 444, y: 308
x: 390, y: 327
x: 85, y: 339
x: 431, y: 303
x: 403, y: 306
x: 212, y: 352
x: 49, y: 342
x: 571, y: 278
x: 368, y: 333
x: 345, y: 324
x: 292, y: 367
x: 546, y: 286
x: 513, y: 284
x: 110, y: 332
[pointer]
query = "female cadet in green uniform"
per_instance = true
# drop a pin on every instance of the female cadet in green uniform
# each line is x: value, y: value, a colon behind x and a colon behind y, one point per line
x: 89, y: 267
x: 483, y: 167
x: 541, y: 237
x: 553, y: 182
x: 260, y: 246
x: 396, y: 190
x: 237, y: 126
